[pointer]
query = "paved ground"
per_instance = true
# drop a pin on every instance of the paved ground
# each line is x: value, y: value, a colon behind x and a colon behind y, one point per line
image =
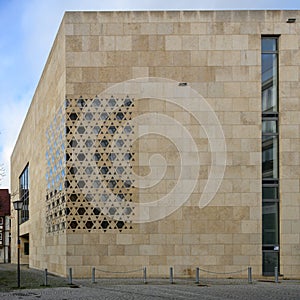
x: 30, y: 278
x: 136, y: 289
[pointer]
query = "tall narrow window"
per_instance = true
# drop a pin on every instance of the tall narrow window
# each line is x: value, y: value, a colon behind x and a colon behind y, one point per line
x: 24, y: 194
x: 270, y: 165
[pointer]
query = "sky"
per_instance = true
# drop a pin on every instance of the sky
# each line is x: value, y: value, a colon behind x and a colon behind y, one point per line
x: 28, y: 29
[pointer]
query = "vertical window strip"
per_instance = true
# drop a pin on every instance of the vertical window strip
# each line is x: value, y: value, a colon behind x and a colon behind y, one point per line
x: 270, y: 157
x: 24, y: 193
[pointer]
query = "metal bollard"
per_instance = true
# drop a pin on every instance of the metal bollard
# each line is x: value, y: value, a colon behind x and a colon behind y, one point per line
x: 197, y: 276
x: 70, y: 276
x: 46, y: 278
x: 93, y: 275
x: 249, y: 275
x: 276, y: 274
x: 171, y: 275
x: 145, y: 274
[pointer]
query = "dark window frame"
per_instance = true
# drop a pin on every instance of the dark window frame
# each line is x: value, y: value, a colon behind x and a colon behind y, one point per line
x: 24, y: 193
x: 271, y: 249
x: 26, y: 248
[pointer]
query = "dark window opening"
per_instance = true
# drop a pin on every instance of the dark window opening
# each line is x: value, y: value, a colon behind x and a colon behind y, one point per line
x: 24, y: 194
x: 270, y: 157
x: 26, y: 248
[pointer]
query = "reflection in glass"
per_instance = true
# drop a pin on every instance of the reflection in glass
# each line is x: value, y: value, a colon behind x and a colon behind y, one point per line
x: 269, y: 82
x: 269, y: 157
x: 270, y: 223
x: 269, y: 126
x: 270, y: 192
x: 270, y: 261
x: 270, y: 169
x: 269, y: 44
x: 24, y: 193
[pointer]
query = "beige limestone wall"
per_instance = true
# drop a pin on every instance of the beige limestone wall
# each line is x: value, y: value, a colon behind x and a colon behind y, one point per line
x: 45, y: 251
x: 222, y: 63
x: 218, y: 54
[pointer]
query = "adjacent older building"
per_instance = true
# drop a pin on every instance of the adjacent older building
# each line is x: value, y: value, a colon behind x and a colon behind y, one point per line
x: 4, y: 226
x: 164, y: 138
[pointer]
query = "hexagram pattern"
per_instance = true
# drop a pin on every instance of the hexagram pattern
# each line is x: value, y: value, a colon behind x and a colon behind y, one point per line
x: 97, y: 190
x: 55, y: 175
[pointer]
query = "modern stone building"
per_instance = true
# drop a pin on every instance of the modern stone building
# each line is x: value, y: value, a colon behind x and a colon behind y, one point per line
x: 112, y: 168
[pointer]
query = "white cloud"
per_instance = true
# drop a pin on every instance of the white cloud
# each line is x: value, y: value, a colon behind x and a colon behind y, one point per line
x: 12, y: 115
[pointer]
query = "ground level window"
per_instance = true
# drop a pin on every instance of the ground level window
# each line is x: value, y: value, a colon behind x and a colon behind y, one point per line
x: 26, y: 248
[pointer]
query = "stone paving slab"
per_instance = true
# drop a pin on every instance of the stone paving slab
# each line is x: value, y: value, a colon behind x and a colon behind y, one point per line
x: 149, y: 291
x: 156, y: 288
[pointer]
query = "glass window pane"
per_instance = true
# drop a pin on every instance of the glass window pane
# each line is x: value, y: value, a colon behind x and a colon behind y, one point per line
x: 269, y: 68
x: 269, y: 99
x: 270, y: 261
x: 269, y: 44
x: 24, y: 194
x: 270, y: 193
x: 269, y: 126
x: 269, y: 82
x: 269, y: 157
x: 270, y: 222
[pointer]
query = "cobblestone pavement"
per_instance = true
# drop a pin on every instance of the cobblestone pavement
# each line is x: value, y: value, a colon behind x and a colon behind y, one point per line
x: 135, y: 288
x: 181, y: 290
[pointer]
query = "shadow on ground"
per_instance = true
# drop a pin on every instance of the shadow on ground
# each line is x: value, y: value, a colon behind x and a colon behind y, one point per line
x: 30, y: 278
